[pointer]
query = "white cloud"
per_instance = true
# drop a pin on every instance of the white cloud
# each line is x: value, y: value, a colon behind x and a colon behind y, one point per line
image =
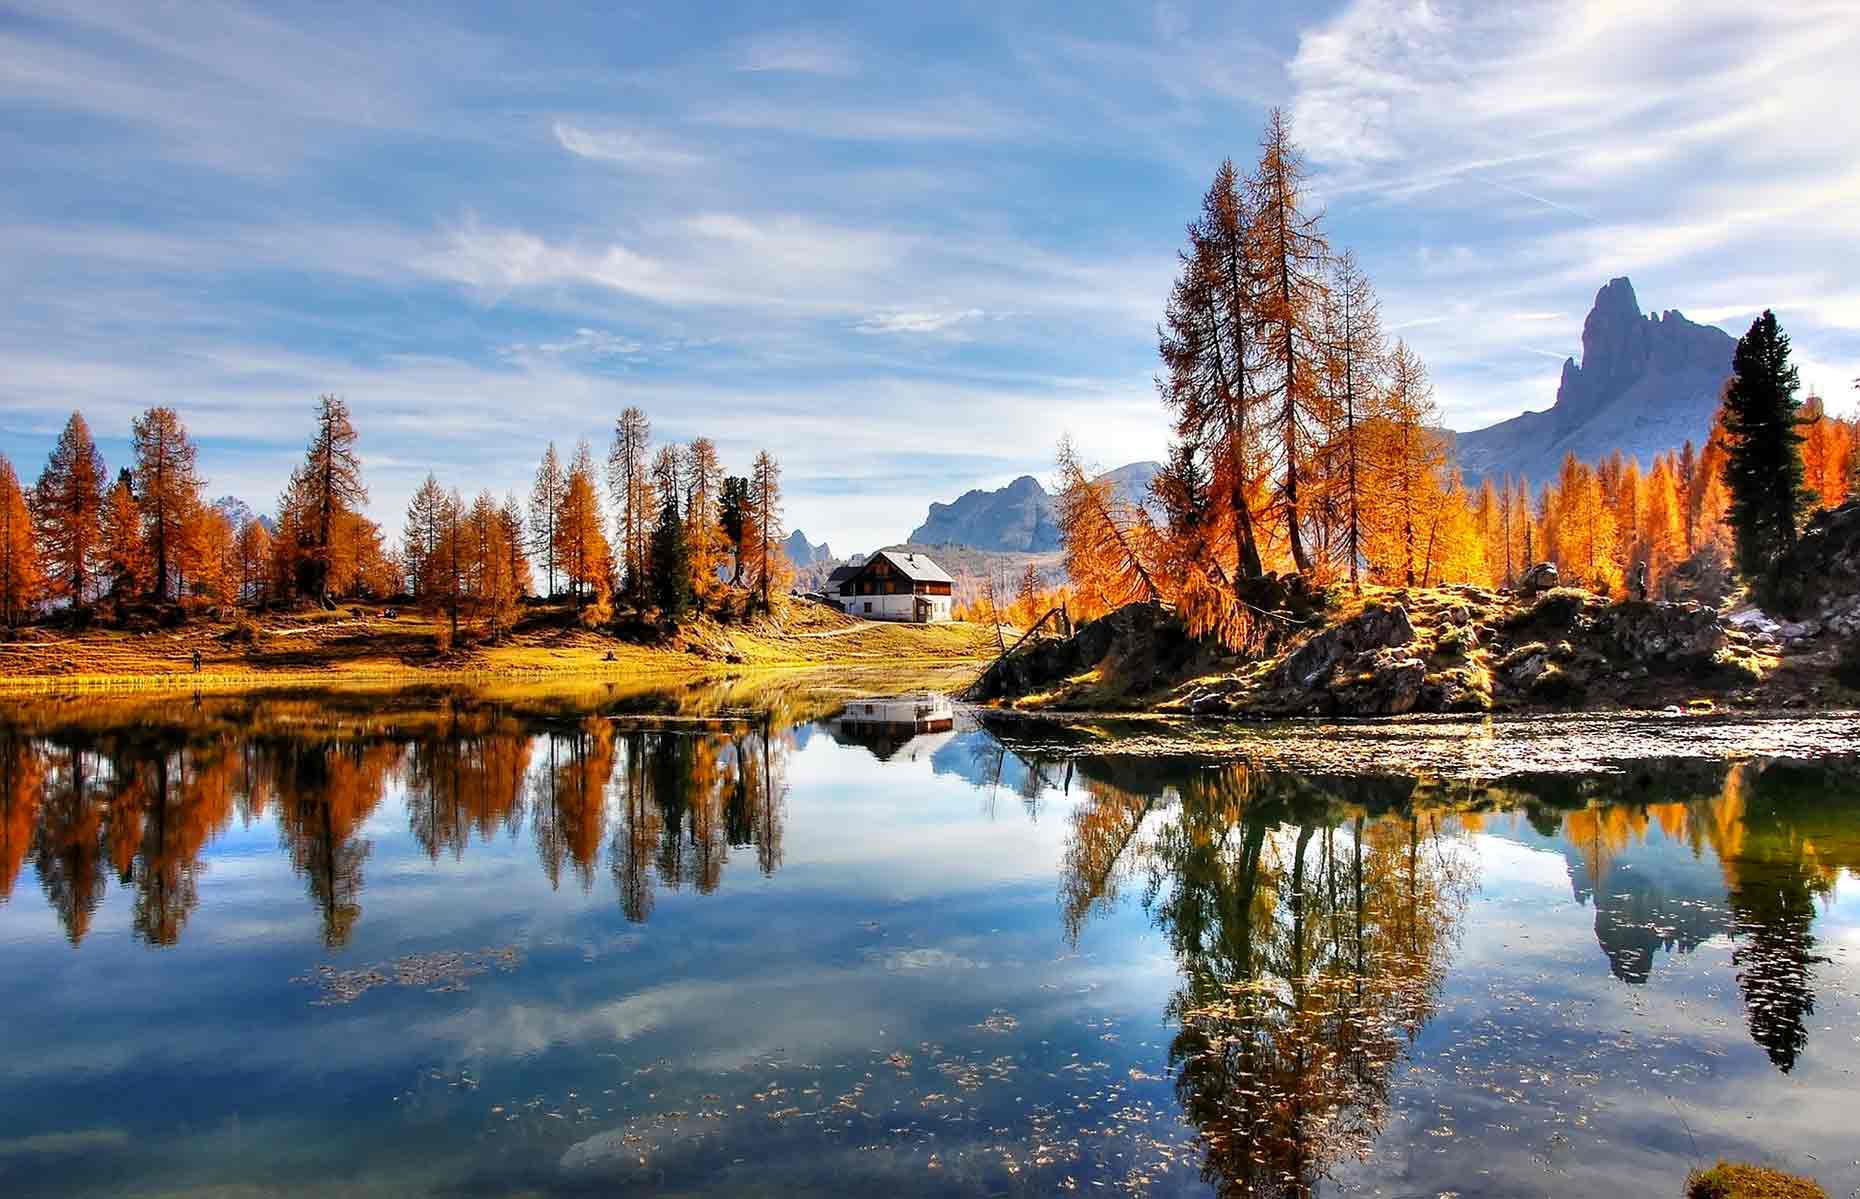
x: 796, y: 53
x: 916, y: 322
x: 629, y: 147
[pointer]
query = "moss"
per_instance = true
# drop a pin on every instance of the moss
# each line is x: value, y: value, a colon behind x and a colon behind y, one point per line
x: 1740, y: 1180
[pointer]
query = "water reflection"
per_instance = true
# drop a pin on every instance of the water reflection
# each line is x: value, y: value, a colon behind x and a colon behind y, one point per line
x: 1313, y: 921
x: 667, y: 804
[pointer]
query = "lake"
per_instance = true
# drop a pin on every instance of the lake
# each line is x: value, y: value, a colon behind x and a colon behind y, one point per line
x: 750, y: 937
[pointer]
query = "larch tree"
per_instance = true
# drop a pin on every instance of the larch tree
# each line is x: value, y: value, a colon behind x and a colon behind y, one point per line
x: 1292, y: 255
x: 703, y: 491
x: 254, y: 551
x: 582, y: 549
x: 515, y: 542
x: 1106, y: 550
x: 125, y: 557
x: 1827, y: 445
x: 1355, y: 357
x: 67, y: 505
x: 420, y: 536
x: 1409, y: 459
x: 167, y: 484
x: 1763, y: 470
x: 629, y: 483
x: 21, y: 580
x: 546, y: 496
x: 1208, y: 346
x: 1662, y: 535
x: 326, y: 486
x: 768, y: 563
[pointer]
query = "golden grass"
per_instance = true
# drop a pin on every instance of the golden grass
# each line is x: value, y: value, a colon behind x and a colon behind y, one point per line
x: 358, y: 646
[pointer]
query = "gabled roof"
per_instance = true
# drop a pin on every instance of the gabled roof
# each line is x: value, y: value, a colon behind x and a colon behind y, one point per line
x: 841, y: 574
x: 915, y: 567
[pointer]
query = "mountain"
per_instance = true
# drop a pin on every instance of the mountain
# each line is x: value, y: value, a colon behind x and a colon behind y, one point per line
x: 1018, y: 517
x: 803, y: 554
x: 237, y: 512
x: 1645, y: 385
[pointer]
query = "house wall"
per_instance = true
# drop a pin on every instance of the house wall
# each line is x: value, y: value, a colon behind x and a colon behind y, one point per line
x: 896, y: 607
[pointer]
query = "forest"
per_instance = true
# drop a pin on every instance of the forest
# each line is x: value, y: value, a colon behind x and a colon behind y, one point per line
x: 685, y: 536
x: 1304, y: 440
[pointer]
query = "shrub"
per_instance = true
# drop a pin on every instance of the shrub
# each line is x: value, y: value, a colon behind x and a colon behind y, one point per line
x: 1740, y: 1180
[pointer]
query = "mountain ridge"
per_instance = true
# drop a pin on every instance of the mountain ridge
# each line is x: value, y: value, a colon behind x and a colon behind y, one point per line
x: 1018, y: 517
x: 1646, y: 383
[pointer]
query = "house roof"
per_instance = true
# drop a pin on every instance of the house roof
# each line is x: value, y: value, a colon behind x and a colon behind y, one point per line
x: 915, y: 567
x: 842, y: 573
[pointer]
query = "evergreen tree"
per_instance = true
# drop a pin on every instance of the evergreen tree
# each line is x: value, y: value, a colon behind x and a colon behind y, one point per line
x: 1763, y: 467
x: 733, y: 517
x: 671, y: 566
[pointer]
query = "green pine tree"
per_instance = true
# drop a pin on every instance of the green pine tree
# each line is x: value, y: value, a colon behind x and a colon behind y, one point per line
x: 671, y: 566
x: 733, y: 515
x: 1763, y: 469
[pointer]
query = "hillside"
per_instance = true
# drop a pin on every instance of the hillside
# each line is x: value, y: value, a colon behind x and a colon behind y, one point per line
x: 1017, y: 518
x: 1646, y: 384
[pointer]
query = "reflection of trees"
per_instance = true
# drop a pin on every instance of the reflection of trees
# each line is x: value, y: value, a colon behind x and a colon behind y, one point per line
x: 1312, y: 948
x: 1780, y: 834
x: 22, y: 778
x: 69, y: 854
x: 463, y: 780
x: 685, y: 800
x: 326, y: 791
x: 182, y: 799
x: 141, y: 800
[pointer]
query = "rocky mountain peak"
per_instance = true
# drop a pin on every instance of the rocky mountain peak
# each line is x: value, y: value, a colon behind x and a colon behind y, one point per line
x: 1645, y: 383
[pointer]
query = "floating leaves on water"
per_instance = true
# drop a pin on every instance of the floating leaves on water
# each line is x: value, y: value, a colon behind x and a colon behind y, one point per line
x: 444, y: 970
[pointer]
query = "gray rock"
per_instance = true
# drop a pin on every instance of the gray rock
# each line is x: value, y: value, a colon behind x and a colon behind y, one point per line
x: 1376, y: 627
x: 1382, y: 682
x: 1541, y: 577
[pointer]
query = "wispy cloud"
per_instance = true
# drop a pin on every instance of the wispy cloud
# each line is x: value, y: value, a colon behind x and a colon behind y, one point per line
x: 629, y: 147
x: 796, y: 53
x: 917, y: 322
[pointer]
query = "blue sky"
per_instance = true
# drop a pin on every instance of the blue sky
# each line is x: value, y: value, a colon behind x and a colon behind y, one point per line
x: 902, y: 247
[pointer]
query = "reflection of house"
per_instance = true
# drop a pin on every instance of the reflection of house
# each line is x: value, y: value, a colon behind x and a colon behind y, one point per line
x: 894, y: 585
x: 901, y: 723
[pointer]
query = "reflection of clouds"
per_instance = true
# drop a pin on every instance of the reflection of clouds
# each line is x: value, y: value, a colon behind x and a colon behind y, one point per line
x: 925, y: 959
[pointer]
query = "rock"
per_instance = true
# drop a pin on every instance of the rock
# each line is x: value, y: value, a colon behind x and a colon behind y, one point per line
x: 1752, y: 620
x: 1458, y: 614
x: 1381, y: 682
x: 1670, y: 635
x: 1539, y: 578
x: 1461, y: 689
x: 1378, y: 626
x: 1455, y: 641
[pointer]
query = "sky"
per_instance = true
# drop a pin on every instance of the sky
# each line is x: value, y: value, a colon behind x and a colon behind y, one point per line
x: 902, y: 247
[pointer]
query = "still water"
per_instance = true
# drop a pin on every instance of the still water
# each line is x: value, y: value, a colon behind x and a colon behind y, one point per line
x: 752, y: 940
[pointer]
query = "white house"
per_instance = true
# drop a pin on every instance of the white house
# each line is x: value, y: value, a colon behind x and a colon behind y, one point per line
x: 912, y: 725
x: 894, y: 585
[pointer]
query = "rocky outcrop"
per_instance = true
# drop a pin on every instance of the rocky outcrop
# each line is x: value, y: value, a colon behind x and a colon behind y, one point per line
x: 1448, y: 649
x: 1377, y: 627
x: 1645, y: 384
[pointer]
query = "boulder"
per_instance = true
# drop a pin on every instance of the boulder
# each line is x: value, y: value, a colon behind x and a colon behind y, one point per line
x: 1673, y: 635
x: 1541, y: 577
x: 1377, y: 626
x: 1380, y: 682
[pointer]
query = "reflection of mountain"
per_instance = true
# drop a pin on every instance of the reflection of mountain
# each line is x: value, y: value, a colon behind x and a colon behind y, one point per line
x: 1742, y: 851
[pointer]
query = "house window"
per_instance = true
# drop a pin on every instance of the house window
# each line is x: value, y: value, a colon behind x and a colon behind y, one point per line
x: 868, y: 605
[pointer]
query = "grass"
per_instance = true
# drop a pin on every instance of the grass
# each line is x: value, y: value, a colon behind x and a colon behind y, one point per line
x: 362, y: 645
x: 1741, y: 1180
